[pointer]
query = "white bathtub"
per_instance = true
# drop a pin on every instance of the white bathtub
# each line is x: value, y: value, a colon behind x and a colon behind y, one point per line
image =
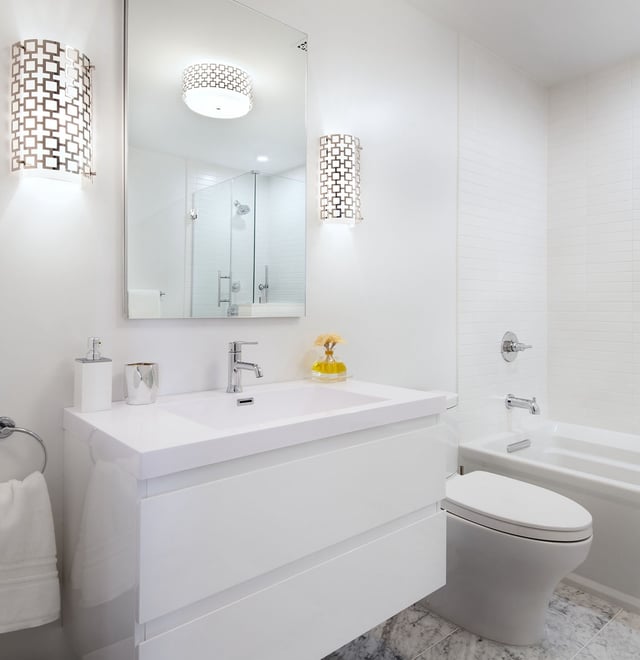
x: 599, y: 469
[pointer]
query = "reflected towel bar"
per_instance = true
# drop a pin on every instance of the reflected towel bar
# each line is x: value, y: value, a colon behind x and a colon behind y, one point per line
x: 8, y: 426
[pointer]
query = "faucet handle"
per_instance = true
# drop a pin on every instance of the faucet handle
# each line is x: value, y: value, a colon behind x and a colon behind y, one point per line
x: 510, y: 346
x: 519, y: 346
x: 234, y: 346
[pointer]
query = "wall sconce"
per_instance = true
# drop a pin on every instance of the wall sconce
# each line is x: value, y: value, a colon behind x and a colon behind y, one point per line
x: 51, y: 108
x: 217, y: 90
x: 340, y: 179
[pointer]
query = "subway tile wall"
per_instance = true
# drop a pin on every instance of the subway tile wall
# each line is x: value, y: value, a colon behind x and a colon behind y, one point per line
x: 502, y: 252
x: 594, y: 249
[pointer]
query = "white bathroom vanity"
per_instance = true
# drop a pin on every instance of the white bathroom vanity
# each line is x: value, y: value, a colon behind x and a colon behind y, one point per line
x: 277, y: 523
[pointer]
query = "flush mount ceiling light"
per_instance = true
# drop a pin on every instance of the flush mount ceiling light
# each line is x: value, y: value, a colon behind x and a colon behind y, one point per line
x: 217, y: 90
x: 51, y: 108
x: 340, y: 179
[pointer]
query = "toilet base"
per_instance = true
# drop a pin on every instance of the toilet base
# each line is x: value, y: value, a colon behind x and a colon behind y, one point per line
x: 499, y: 585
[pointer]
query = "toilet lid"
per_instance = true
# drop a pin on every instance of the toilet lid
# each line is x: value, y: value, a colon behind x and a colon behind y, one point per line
x: 516, y: 507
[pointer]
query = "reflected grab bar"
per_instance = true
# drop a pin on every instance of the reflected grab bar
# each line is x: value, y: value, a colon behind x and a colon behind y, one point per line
x: 8, y: 427
x: 220, y: 278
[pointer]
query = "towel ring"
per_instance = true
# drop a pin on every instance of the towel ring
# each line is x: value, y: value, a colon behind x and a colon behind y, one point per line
x: 8, y: 426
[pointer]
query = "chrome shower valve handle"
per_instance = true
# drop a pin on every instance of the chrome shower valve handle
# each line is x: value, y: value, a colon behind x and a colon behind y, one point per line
x: 510, y: 346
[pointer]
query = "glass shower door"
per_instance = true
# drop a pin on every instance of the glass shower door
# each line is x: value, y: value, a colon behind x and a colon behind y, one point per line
x: 211, y: 251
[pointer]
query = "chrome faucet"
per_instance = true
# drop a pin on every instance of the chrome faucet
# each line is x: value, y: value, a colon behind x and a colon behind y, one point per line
x: 518, y: 402
x: 236, y: 365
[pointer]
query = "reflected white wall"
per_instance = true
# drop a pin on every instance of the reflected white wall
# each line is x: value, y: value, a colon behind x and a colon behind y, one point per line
x: 280, y: 239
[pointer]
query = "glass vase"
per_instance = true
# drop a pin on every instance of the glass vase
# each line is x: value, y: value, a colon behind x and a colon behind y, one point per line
x: 328, y: 369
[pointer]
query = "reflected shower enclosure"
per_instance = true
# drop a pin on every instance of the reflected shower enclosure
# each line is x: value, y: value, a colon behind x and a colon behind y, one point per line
x: 248, y: 247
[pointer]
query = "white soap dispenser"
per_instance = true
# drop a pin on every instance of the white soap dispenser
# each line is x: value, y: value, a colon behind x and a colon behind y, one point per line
x: 92, y: 384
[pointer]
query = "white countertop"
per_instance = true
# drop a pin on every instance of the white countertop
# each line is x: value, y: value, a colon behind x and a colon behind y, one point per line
x: 153, y: 440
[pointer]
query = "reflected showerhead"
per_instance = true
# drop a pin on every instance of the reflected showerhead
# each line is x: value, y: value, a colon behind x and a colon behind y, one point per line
x: 242, y: 209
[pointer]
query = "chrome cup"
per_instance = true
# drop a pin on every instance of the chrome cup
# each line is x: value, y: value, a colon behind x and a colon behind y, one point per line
x: 141, y: 383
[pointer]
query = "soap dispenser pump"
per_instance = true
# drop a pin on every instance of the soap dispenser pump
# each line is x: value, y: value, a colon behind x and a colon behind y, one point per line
x: 92, y: 383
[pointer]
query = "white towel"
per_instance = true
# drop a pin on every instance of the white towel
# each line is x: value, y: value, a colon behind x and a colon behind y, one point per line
x: 29, y: 587
x: 144, y: 304
x: 104, y: 564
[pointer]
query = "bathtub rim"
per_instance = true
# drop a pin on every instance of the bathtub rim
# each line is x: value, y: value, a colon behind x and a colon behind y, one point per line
x: 538, y: 474
x: 478, y: 451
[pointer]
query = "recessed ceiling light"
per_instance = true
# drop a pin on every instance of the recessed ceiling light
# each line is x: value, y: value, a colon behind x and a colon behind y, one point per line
x: 262, y: 159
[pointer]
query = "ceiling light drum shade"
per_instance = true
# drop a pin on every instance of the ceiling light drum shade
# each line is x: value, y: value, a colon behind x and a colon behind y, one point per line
x: 217, y: 90
x: 340, y: 179
x: 51, y: 108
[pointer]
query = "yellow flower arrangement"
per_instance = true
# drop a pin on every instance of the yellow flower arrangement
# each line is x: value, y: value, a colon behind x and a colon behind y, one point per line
x: 329, y: 341
x: 328, y: 369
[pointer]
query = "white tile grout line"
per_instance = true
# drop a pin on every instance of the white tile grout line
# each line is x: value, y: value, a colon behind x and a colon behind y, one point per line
x: 611, y: 620
x: 436, y: 643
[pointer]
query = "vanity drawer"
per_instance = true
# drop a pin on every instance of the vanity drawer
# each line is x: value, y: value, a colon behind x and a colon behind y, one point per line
x: 320, y: 609
x: 200, y: 540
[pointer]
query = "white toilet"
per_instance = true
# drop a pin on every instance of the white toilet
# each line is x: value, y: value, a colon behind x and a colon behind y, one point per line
x: 509, y: 543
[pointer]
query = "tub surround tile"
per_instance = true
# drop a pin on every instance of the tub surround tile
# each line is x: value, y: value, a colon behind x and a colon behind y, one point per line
x: 619, y: 640
x: 403, y: 637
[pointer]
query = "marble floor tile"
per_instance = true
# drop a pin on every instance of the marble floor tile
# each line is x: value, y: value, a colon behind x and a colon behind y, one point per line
x: 402, y: 637
x: 578, y: 626
x: 573, y: 619
x: 577, y: 615
x: 463, y: 645
x: 619, y: 640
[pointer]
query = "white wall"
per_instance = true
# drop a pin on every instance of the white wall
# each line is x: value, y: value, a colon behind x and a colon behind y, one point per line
x: 594, y: 249
x: 501, y: 239
x: 385, y: 73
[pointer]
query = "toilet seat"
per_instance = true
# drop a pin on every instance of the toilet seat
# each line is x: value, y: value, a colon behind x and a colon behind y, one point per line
x: 515, y: 507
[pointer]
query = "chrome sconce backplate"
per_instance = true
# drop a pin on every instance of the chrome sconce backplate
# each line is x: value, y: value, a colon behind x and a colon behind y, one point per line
x: 51, y: 108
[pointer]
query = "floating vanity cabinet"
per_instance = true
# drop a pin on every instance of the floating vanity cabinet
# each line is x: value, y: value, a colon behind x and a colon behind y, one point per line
x: 283, y: 554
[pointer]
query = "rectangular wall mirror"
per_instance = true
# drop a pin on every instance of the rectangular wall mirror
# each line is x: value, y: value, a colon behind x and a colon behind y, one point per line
x: 215, y: 205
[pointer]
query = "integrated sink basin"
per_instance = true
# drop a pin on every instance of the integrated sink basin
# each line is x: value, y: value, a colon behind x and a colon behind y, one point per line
x: 185, y: 431
x: 260, y: 405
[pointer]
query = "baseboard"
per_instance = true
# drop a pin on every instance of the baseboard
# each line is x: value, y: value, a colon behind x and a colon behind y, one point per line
x: 630, y: 603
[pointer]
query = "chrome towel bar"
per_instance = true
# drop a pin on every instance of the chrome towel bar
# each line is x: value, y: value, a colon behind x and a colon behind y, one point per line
x: 8, y: 427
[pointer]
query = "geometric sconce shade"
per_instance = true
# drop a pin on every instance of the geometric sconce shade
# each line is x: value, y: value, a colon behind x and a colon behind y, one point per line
x: 51, y: 108
x: 340, y: 179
